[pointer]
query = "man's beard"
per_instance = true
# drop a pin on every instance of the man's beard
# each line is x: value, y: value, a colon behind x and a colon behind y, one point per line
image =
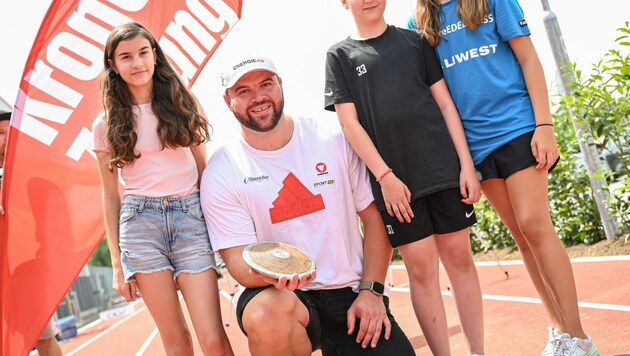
x: 255, y: 124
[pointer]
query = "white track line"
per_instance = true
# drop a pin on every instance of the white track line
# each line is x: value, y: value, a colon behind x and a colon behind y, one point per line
x: 88, y: 326
x: 602, y: 259
x: 146, y: 344
x: 155, y: 332
x: 616, y: 307
x: 520, y: 262
x: 99, y: 335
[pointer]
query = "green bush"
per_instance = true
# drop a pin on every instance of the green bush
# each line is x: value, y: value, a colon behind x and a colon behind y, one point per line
x: 571, y: 203
x: 490, y: 229
x: 601, y: 104
x: 101, y: 257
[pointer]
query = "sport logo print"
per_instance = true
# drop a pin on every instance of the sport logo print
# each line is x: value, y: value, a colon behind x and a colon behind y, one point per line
x: 294, y: 200
x: 321, y: 168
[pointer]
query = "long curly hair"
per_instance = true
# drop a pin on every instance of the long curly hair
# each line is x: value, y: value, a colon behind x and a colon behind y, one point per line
x: 179, y: 122
x: 471, y: 12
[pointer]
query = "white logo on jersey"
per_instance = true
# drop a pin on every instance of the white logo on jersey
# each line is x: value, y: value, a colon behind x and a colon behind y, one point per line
x: 470, y: 54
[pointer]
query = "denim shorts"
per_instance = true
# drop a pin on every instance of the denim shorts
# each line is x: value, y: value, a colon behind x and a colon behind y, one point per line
x: 157, y: 234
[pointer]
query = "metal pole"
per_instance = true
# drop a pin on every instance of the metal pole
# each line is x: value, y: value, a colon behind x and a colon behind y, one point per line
x: 585, y: 140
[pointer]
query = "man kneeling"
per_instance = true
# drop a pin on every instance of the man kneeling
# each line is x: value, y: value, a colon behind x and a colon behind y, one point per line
x: 293, y: 180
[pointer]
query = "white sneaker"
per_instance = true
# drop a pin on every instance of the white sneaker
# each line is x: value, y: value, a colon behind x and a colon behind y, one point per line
x: 573, y: 346
x: 553, y: 343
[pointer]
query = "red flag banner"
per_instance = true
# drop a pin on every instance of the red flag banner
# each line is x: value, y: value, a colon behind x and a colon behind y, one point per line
x: 50, y: 189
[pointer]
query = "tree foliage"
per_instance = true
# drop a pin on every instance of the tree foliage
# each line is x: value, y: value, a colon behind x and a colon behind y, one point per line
x: 101, y: 257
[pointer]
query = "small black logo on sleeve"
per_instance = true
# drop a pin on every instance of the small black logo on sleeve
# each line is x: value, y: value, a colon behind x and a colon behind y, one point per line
x: 523, y: 23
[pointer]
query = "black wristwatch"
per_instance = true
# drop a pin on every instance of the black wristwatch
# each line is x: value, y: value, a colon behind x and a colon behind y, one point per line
x: 373, y: 286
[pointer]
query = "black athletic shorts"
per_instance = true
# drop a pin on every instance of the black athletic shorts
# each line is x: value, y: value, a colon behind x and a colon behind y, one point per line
x: 327, y: 327
x: 441, y: 212
x: 508, y: 159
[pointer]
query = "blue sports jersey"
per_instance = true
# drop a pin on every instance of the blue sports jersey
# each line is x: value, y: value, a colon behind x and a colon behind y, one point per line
x: 484, y: 76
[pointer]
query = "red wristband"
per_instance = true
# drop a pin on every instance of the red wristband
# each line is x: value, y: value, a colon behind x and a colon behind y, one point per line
x: 388, y: 171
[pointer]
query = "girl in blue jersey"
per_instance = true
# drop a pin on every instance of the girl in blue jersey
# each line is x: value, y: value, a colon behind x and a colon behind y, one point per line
x: 498, y: 85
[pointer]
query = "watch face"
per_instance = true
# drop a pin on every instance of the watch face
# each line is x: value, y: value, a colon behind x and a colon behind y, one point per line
x: 373, y: 286
x: 378, y: 287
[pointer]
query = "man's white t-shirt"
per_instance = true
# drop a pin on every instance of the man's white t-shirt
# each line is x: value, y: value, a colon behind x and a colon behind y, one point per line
x: 305, y: 194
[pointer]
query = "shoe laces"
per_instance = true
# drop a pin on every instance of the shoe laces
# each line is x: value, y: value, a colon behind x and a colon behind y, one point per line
x: 560, y: 347
x: 552, y: 342
x: 564, y: 345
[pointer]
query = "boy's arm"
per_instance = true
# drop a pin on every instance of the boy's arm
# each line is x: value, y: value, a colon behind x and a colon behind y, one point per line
x: 544, y: 146
x: 369, y: 307
x: 469, y: 184
x: 395, y: 193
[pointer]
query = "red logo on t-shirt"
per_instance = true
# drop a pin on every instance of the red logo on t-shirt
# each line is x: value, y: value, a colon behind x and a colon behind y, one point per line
x: 321, y: 167
x: 294, y: 200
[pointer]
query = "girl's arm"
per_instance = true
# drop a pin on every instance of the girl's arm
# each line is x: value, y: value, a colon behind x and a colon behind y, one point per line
x: 395, y: 193
x: 544, y: 146
x: 200, y: 151
x: 111, y: 209
x: 469, y: 186
x: 200, y: 154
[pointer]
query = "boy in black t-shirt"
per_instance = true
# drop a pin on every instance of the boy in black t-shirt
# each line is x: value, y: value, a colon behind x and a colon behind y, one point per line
x: 387, y: 88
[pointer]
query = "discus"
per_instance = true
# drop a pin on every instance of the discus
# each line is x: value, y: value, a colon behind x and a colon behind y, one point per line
x: 277, y: 259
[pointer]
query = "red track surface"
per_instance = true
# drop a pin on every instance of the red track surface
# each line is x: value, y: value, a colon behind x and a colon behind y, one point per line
x: 515, y: 322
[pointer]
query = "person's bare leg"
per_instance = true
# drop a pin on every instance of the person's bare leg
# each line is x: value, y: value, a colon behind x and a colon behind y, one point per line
x: 528, y: 193
x: 201, y: 294
x: 496, y: 192
x: 48, y: 347
x: 160, y: 296
x: 275, y: 322
x: 421, y: 262
x: 456, y: 255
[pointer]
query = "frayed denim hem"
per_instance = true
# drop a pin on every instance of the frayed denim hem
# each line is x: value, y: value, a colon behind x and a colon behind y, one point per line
x: 219, y: 275
x: 132, y: 278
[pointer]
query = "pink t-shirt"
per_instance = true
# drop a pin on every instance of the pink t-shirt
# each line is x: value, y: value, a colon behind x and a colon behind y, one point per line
x: 158, y: 172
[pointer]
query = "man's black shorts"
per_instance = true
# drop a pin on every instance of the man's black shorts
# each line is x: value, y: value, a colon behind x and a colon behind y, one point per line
x: 327, y: 328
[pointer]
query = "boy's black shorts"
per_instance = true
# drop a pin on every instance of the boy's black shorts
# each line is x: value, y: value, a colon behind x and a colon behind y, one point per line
x: 441, y: 212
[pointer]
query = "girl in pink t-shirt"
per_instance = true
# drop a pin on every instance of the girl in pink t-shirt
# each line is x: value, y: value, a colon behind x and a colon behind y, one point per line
x: 154, y: 132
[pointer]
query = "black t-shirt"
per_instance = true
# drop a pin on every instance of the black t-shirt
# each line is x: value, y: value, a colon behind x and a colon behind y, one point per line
x: 388, y: 78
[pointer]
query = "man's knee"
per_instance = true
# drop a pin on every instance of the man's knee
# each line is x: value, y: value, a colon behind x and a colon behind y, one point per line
x: 273, y: 311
